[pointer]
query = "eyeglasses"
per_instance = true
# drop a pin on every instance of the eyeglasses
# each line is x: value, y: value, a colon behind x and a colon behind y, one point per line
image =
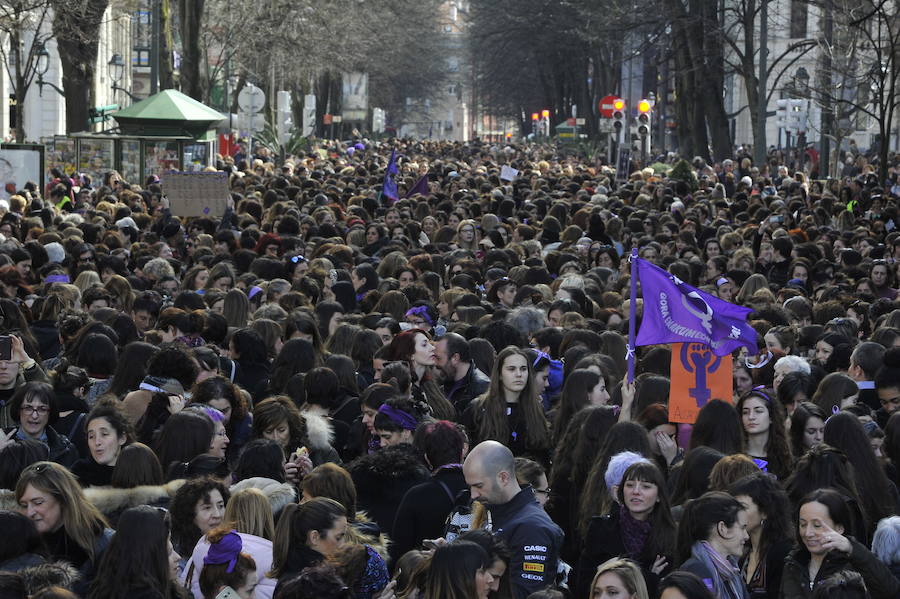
x: 40, y: 410
x: 544, y: 492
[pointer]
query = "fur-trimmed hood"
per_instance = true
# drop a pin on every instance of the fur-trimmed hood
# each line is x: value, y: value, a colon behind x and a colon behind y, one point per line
x: 378, y: 473
x: 62, y: 574
x: 362, y: 531
x: 319, y: 431
x: 110, y: 500
x: 8, y: 500
x: 278, y: 494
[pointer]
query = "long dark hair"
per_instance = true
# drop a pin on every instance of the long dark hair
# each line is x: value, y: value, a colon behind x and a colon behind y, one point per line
x: 802, y: 413
x: 137, y: 558
x: 718, y: 426
x: 662, y: 527
x: 700, y: 518
x: 844, y: 432
x: 297, y: 355
x: 772, y: 501
x: 131, y: 368
x: 623, y: 436
x: 452, y: 571
x: 778, y: 452
x: 494, y: 424
x: 574, y: 397
x: 822, y: 467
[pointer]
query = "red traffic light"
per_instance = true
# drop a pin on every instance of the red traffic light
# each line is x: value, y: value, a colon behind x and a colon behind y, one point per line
x: 545, y: 113
x: 619, y: 104
x: 534, y: 116
x: 644, y: 106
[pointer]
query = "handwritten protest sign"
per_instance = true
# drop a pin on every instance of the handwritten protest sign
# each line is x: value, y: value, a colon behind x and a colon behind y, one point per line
x: 196, y: 194
x: 508, y: 173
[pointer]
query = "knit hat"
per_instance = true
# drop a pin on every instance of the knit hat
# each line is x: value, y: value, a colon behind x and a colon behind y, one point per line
x: 126, y: 222
x: 55, y: 252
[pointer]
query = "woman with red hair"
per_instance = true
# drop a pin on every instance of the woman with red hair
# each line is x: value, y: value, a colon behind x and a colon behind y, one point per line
x: 415, y: 348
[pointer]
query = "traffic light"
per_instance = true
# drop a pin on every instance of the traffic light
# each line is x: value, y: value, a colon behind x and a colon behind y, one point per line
x: 643, y: 118
x: 618, y: 117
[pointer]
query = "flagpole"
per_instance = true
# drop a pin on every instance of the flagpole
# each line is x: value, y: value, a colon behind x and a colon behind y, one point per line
x: 632, y: 314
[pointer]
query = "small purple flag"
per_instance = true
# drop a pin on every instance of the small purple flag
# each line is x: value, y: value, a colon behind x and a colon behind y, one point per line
x: 421, y: 187
x: 675, y: 312
x: 389, y: 189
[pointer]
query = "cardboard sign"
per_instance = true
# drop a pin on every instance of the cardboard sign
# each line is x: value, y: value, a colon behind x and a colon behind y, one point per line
x: 508, y: 173
x: 196, y: 194
x: 697, y: 376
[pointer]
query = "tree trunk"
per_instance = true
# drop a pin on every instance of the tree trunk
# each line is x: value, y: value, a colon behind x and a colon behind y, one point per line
x: 191, y: 13
x: 77, y: 30
x: 21, y: 90
x: 166, y: 46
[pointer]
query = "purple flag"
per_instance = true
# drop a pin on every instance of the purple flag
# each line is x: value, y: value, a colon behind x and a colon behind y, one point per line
x: 389, y: 189
x: 421, y: 187
x: 675, y: 312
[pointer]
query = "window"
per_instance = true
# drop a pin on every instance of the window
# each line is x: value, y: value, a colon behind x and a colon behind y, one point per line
x: 799, y: 14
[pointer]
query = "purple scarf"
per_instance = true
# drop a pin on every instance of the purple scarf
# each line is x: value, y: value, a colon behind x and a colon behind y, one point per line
x: 634, y: 532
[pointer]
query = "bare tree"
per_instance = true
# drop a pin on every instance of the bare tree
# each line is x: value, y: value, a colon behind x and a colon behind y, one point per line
x: 860, y: 68
x: 22, y: 23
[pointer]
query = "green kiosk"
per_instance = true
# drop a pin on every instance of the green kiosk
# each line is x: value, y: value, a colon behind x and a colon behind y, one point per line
x: 168, y: 131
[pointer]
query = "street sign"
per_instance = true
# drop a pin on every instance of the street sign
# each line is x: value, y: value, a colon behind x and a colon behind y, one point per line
x: 580, y: 121
x: 338, y: 118
x: 327, y: 119
x: 251, y: 99
x: 607, y: 106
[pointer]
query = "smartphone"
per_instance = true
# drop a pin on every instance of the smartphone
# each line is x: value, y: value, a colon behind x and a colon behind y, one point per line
x: 5, y: 347
x: 776, y: 218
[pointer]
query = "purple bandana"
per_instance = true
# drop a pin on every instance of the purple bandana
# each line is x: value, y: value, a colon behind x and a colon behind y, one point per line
x: 404, y: 419
x: 226, y: 551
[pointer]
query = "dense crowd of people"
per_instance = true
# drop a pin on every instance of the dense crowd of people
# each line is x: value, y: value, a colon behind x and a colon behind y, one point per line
x: 330, y: 392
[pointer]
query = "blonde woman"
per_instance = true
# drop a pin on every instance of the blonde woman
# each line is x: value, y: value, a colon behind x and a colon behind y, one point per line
x: 467, y: 235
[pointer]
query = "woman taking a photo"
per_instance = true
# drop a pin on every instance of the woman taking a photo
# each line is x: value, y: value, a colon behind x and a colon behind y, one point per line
x: 769, y: 527
x: 641, y: 528
x: 510, y: 411
x: 711, y: 537
x: 72, y: 529
x: 826, y: 547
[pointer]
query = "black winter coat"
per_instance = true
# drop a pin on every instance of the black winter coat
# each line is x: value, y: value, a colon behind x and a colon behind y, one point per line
x: 604, y: 542
x: 424, y: 509
x: 383, y: 478
x: 795, y: 583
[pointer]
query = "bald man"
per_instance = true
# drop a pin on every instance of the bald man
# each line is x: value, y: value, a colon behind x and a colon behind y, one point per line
x: 534, y: 540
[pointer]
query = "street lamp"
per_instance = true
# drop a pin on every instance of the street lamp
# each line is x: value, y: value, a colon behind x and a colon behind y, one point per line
x: 116, y: 70
x: 42, y: 66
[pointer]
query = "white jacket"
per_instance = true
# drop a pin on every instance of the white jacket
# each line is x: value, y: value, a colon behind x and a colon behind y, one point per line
x: 258, y: 548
